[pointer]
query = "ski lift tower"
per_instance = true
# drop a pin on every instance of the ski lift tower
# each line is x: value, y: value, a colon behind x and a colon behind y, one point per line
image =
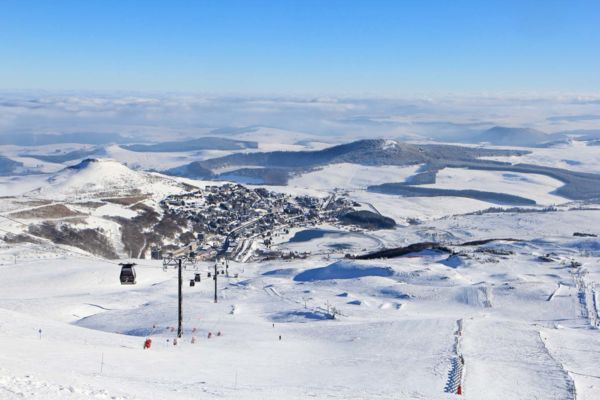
x: 179, y: 261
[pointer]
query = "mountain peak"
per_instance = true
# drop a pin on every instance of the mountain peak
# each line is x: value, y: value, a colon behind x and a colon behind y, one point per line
x: 84, y: 163
x: 509, y: 136
x: 101, y: 176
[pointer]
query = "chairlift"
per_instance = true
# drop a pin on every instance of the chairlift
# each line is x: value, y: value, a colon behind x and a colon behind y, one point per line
x: 209, y: 274
x: 127, y: 276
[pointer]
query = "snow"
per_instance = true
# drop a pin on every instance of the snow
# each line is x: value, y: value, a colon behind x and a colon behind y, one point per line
x: 355, y: 179
x: 579, y: 357
x: 160, y: 161
x: 91, y: 179
x: 531, y: 186
x: 527, y: 329
x: 114, y: 210
x: 527, y: 370
x: 389, y: 144
x: 352, y: 176
x: 12, y: 186
x: 220, y: 366
x: 342, y: 270
x: 574, y: 155
x: 93, y: 176
x: 423, y: 208
x: 395, y: 336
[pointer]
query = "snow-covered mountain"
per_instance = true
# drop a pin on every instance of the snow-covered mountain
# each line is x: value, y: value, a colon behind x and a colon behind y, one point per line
x: 98, y: 205
x: 506, y: 136
x: 275, y: 167
x: 95, y: 177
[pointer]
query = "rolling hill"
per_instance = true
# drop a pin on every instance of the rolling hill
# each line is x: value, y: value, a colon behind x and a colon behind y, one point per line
x: 525, y: 137
x: 363, y: 152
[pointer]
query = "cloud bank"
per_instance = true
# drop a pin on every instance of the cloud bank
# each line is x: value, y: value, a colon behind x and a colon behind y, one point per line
x: 162, y: 116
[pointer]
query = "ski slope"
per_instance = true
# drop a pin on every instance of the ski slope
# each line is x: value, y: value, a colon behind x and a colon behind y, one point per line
x: 394, y: 336
x: 528, y: 328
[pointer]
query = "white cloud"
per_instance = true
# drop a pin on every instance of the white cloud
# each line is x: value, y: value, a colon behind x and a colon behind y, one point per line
x: 170, y: 115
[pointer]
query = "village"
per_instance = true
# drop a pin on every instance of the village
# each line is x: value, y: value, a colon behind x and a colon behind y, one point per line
x: 241, y: 222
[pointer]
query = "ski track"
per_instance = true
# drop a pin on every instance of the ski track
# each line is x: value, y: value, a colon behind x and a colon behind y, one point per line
x: 528, y: 369
x: 568, y: 379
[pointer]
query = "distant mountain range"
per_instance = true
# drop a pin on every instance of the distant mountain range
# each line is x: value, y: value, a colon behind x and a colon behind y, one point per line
x: 203, y: 143
x: 276, y: 167
x: 42, y: 139
x: 526, y: 137
x: 96, y: 138
x: 60, y: 158
x: 497, y: 135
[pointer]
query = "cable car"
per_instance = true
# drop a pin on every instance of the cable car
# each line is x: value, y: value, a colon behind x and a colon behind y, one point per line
x: 192, y: 282
x: 197, y: 277
x: 127, y: 276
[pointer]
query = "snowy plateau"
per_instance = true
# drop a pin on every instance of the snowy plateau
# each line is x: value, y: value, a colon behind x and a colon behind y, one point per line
x: 486, y: 284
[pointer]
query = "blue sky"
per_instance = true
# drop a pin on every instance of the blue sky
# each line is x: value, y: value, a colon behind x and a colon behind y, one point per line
x: 301, y: 47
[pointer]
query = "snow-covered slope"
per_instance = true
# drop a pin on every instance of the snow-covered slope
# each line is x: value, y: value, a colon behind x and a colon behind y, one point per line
x: 531, y: 186
x: 400, y: 325
x: 508, y: 319
x: 90, y: 206
x: 505, y: 136
x: 104, y: 177
x: 351, y: 176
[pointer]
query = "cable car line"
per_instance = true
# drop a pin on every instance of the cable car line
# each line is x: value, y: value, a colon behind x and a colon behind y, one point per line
x: 128, y: 276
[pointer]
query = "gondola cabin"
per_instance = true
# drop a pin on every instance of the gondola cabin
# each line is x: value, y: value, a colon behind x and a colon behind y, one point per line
x: 127, y: 276
x: 197, y: 277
